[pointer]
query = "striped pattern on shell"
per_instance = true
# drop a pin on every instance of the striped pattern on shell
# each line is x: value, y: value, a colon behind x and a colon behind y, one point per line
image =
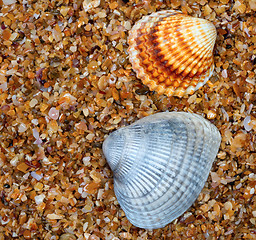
x: 172, y: 52
x: 160, y: 165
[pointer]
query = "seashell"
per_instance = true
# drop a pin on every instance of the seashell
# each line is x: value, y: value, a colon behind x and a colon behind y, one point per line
x: 172, y: 52
x: 160, y: 165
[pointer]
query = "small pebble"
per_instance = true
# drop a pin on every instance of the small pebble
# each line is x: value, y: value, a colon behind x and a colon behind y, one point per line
x: 67, y: 236
x: 54, y: 113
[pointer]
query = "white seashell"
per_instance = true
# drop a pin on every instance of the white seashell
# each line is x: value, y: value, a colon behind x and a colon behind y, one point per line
x: 160, y: 165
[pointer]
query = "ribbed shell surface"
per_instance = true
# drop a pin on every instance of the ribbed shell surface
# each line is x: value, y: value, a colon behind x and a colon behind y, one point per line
x: 160, y: 165
x: 171, y: 52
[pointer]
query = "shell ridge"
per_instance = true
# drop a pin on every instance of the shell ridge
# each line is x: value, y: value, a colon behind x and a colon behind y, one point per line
x: 190, y: 64
x: 164, y: 206
x: 188, y: 43
x: 126, y: 162
x: 137, y: 190
x: 124, y: 167
x: 124, y: 157
x: 147, y: 161
x: 201, y: 61
x: 158, y: 182
x: 186, y: 168
x: 164, y: 174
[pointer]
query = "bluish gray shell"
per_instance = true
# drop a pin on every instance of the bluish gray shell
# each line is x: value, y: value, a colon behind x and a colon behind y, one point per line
x: 160, y: 165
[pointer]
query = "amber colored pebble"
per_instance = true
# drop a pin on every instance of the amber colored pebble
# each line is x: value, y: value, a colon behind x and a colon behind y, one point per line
x: 115, y: 94
x: 6, y: 34
x: 27, y: 234
x: 247, y: 194
x: 106, y: 64
x: 247, y: 65
x: 11, y: 112
x: 237, y: 62
x: 237, y: 90
x: 34, y: 226
x: 41, y: 206
x: 53, y: 125
x: 122, y: 35
x: 47, y: 84
x: 15, y: 194
x: 114, y: 226
x: 119, y: 46
x: 31, y: 75
x: 23, y: 167
x: 2, y: 157
x: 43, y: 107
x: 67, y: 32
x: 113, y: 5
x: 211, y: 114
x: 32, y: 194
x: 242, y: 8
x: 102, y: 83
x: 82, y: 126
x: 38, y: 186
x: 67, y: 236
x: 2, y: 236
x: 204, y: 228
x: 91, y: 188
x: 22, y: 219
x: 37, y: 41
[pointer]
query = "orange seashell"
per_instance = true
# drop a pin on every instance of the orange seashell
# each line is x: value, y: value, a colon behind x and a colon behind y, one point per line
x: 171, y: 52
